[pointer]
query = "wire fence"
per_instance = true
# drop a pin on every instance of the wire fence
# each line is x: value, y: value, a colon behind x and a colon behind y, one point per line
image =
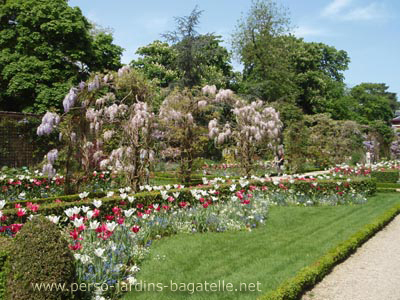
x: 18, y: 142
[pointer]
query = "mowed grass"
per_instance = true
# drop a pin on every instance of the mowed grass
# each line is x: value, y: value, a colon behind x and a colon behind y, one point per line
x: 292, y: 238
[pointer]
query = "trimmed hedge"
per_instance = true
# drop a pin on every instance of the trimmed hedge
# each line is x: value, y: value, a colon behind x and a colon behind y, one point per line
x: 386, y: 176
x: 147, y: 198
x: 5, y: 246
x: 309, y: 276
x: 387, y: 190
x: 40, y: 255
x: 388, y: 185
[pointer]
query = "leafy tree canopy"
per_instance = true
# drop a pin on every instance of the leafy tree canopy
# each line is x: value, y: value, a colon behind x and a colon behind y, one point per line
x: 200, y: 59
x: 45, y: 47
x: 280, y: 67
x: 372, y: 102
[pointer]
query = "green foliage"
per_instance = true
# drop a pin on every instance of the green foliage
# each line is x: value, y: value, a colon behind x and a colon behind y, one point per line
x: 6, y: 247
x: 260, y: 44
x: 199, y: 59
x: 331, y: 142
x: 295, y: 141
x: 388, y: 185
x: 318, y: 74
x: 45, y: 47
x: 281, y: 67
x: 386, y: 176
x: 157, y: 62
x: 373, y: 102
x: 307, y: 277
x: 40, y: 255
x: 383, y: 134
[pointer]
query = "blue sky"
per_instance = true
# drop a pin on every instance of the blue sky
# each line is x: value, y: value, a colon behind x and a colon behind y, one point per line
x: 369, y: 30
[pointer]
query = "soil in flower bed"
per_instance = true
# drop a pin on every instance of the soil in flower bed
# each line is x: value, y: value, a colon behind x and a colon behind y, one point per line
x: 292, y: 238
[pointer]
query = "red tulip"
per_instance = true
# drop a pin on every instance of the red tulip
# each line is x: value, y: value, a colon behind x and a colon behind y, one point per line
x: 74, y: 234
x: 116, y: 210
x: 96, y: 213
x: 76, y: 246
x: 21, y: 213
x: 135, y: 229
x: 182, y: 204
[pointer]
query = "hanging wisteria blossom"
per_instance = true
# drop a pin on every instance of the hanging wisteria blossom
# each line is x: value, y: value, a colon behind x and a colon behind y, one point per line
x: 49, y: 122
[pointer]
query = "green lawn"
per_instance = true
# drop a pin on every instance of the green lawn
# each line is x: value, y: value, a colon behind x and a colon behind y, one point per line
x: 292, y: 238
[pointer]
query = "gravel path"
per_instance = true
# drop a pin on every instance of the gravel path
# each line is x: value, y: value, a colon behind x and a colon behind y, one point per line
x: 372, y: 273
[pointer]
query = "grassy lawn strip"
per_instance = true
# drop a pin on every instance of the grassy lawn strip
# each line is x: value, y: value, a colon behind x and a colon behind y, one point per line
x: 293, y: 238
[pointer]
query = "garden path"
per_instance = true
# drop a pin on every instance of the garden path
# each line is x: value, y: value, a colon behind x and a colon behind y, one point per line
x: 372, y: 273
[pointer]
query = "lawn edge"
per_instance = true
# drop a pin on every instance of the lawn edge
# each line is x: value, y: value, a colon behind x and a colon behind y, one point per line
x: 309, y: 276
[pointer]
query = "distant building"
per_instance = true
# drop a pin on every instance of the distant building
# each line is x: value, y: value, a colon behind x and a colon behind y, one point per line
x: 396, y: 120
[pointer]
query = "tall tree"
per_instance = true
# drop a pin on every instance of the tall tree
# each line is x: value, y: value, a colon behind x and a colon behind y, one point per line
x: 157, y: 62
x: 280, y: 67
x: 200, y: 59
x: 318, y: 75
x: 260, y: 45
x: 372, y: 102
x: 45, y: 48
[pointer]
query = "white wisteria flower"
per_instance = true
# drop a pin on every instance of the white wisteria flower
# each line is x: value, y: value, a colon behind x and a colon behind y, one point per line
x: 2, y: 204
x: 110, y: 194
x: 131, y: 199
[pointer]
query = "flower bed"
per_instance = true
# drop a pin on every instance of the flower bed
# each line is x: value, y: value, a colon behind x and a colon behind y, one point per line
x: 304, y: 189
x: 110, y: 237
x: 34, y: 186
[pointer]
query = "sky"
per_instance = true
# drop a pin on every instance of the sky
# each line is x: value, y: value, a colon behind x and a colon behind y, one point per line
x: 368, y: 30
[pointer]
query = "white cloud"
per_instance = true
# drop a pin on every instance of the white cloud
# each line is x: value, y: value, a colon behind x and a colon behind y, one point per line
x: 335, y: 7
x: 344, y: 11
x: 306, y: 31
x: 370, y: 12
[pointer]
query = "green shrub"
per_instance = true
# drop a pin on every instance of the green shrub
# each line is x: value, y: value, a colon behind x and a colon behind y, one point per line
x: 386, y: 176
x: 5, y: 246
x: 40, y: 256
